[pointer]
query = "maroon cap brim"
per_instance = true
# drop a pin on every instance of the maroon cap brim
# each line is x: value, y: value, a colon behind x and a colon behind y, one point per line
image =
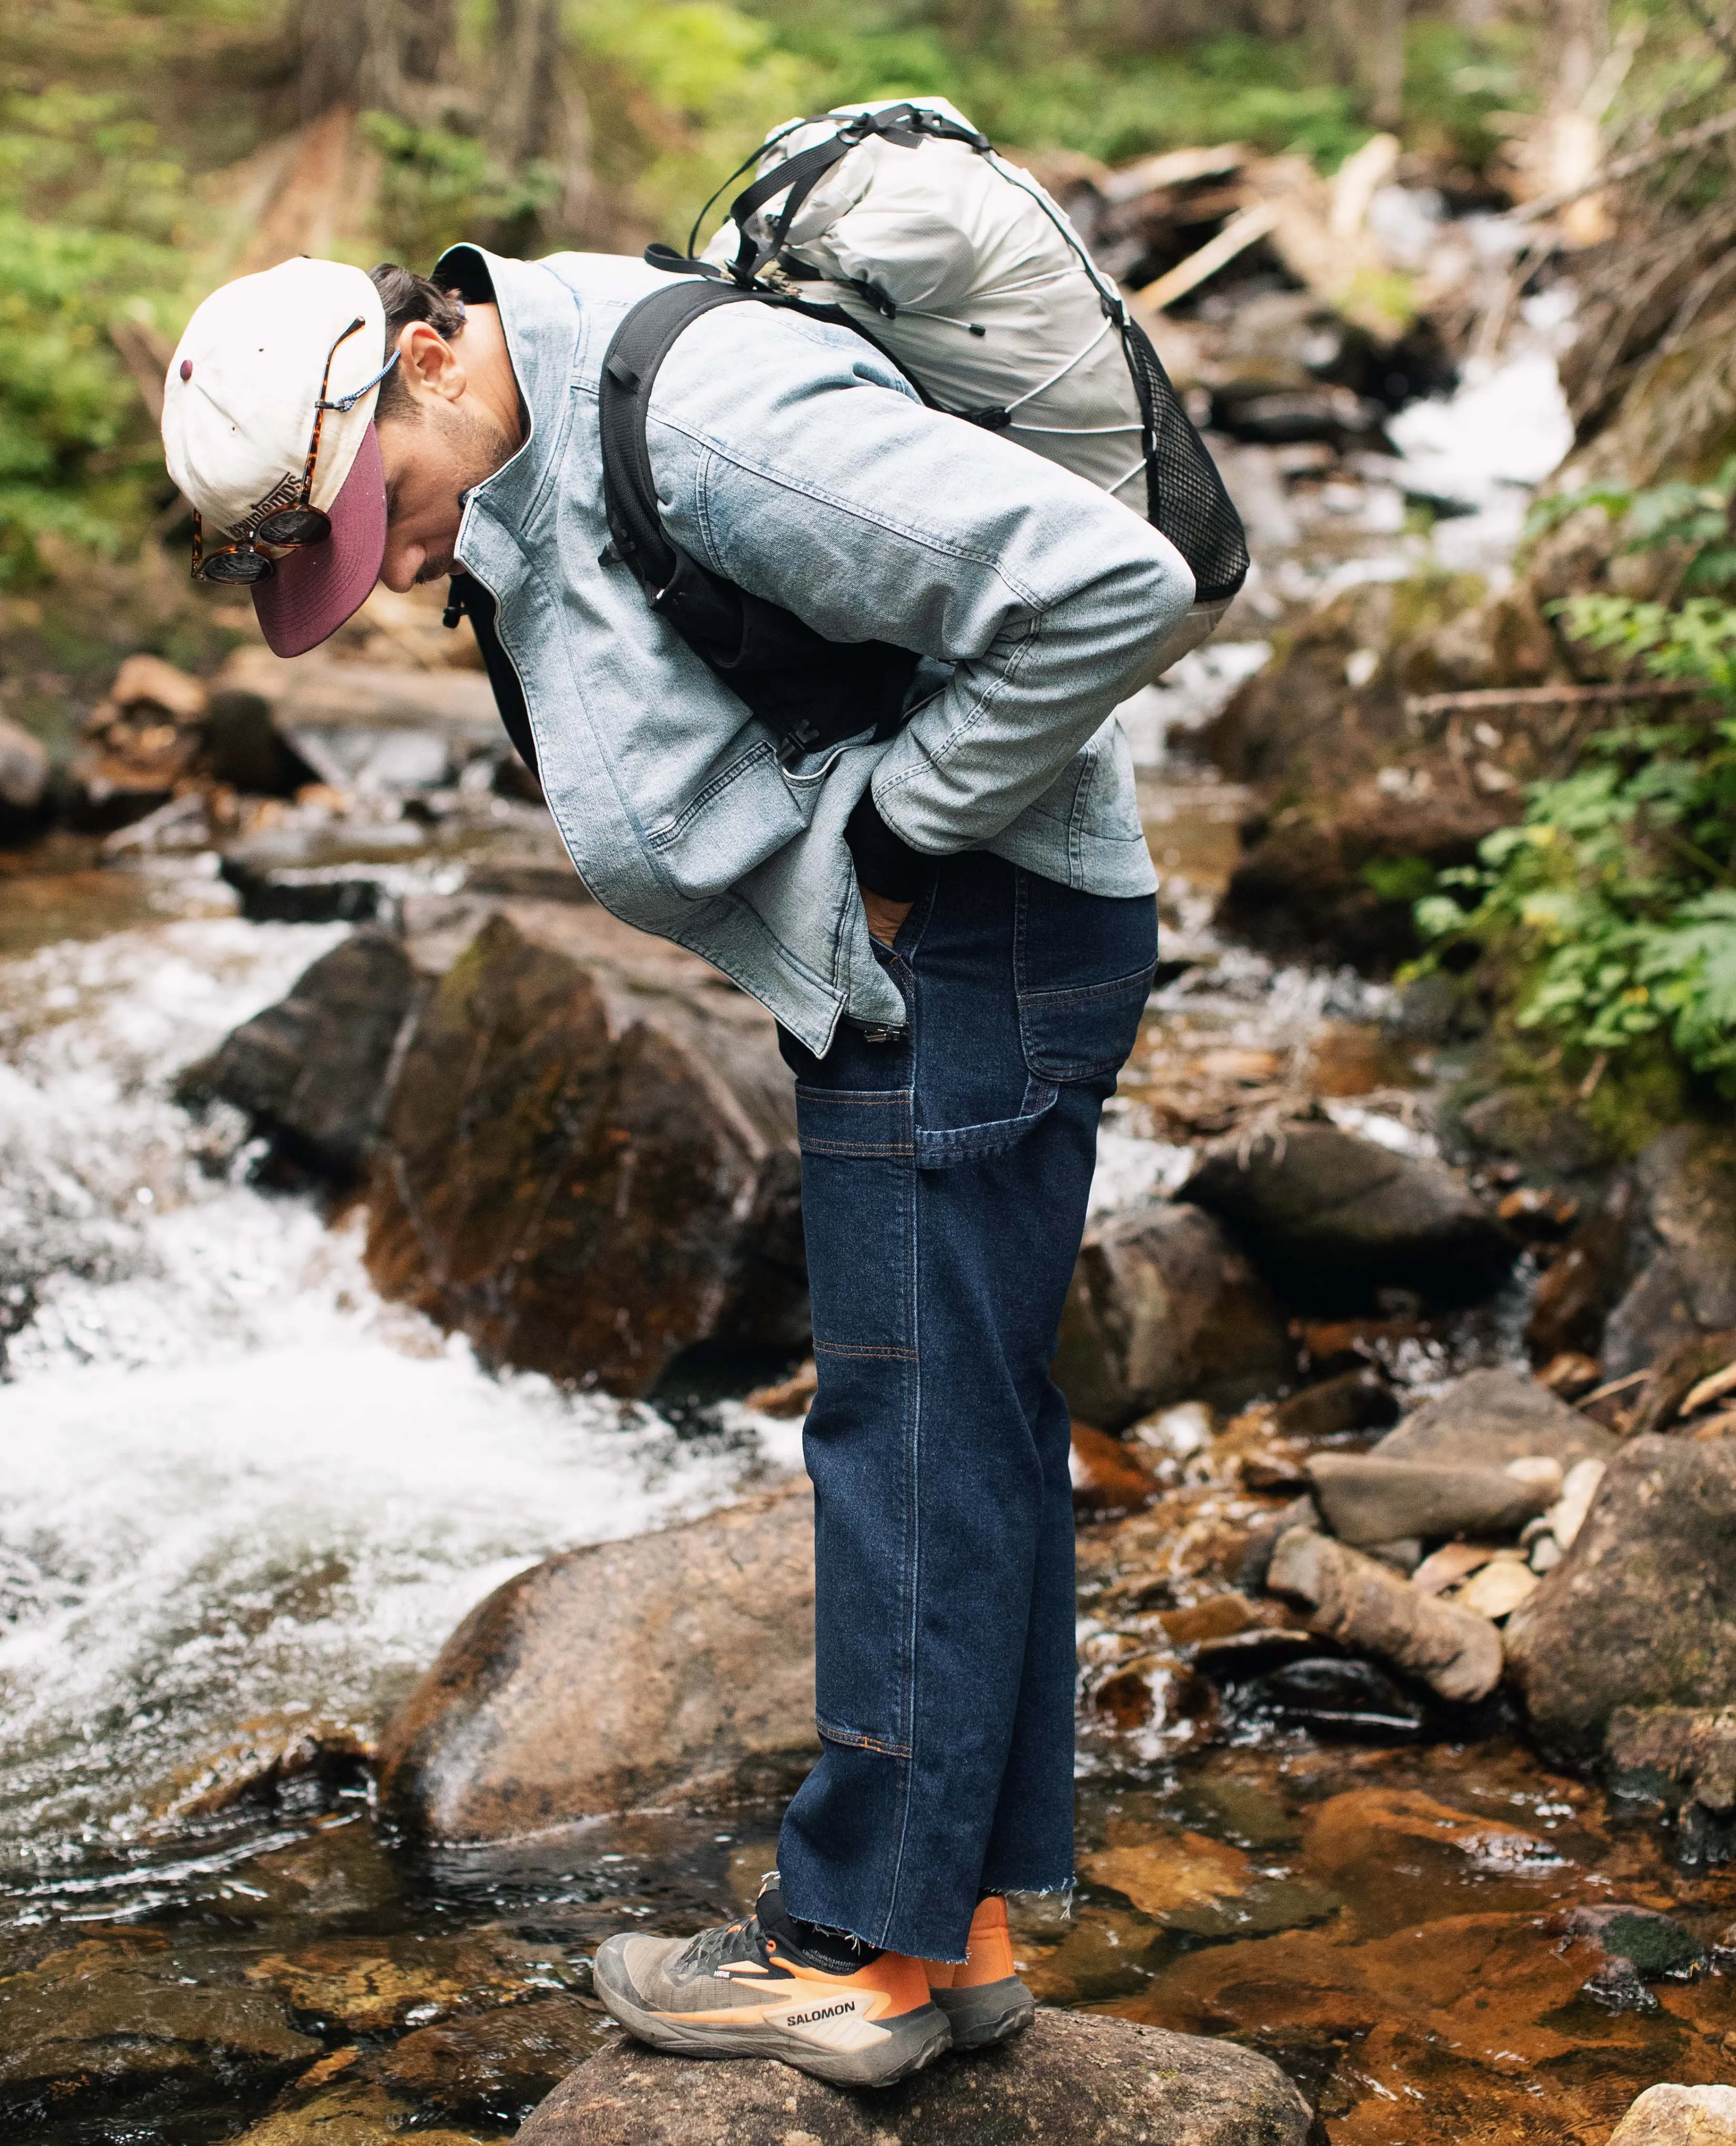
x: 315, y: 588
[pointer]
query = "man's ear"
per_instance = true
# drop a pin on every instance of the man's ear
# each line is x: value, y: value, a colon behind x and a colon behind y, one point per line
x: 428, y: 365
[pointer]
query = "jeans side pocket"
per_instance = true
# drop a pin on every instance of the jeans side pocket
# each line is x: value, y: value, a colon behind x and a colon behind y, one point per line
x: 1083, y: 966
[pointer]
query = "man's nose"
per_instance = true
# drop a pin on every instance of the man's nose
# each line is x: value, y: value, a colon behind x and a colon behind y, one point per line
x: 399, y: 568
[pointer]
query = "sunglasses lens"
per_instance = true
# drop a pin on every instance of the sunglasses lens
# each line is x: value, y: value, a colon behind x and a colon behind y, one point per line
x: 236, y: 567
x: 295, y: 525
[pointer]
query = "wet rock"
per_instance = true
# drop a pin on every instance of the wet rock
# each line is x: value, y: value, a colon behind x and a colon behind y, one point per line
x: 1170, y: 1871
x: 1684, y: 1757
x: 1341, y: 885
x: 23, y: 779
x: 1406, y: 1848
x: 1641, y: 1612
x: 117, y: 2022
x: 1269, y: 416
x: 1374, y: 1497
x: 323, y: 873
x: 1108, y: 1477
x: 339, y: 2103
x: 312, y: 1070
x: 1335, y: 1698
x: 1679, y: 2116
x: 1163, y: 1307
x: 1531, y: 1125
x: 1357, y: 1602
x: 788, y: 1398
x: 1068, y: 2080
x: 261, y: 1759
x: 139, y: 744
x: 497, y: 2067
x: 1684, y: 1248
x: 1300, y: 726
x: 1155, y: 1693
x: 588, y: 1162
x: 1240, y: 1658
x: 1688, y: 1750
x: 614, y: 1674
x: 1331, y: 1218
x: 1581, y: 1286
x: 373, y: 1985
x: 1639, y: 1945
x: 244, y: 747
x: 1489, y: 1419
x: 1355, y: 1400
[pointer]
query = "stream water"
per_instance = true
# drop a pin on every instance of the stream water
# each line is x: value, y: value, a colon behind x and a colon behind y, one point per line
x: 240, y: 1495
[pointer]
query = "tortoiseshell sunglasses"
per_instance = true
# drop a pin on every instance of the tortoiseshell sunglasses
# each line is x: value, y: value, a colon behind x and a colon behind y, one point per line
x: 297, y: 522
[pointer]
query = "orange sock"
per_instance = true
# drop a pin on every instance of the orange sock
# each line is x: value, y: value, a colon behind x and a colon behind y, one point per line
x: 989, y: 1951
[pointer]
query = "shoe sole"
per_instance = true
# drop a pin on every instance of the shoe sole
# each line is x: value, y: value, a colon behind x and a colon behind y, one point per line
x: 914, y: 2040
x: 993, y: 2012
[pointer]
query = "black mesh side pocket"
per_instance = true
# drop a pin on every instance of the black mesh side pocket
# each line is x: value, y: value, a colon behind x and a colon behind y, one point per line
x: 1185, y: 496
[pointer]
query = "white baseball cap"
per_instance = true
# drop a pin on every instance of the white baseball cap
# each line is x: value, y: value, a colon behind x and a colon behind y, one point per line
x: 263, y: 360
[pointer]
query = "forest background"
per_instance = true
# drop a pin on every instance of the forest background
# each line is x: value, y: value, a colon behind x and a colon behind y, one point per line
x: 149, y: 151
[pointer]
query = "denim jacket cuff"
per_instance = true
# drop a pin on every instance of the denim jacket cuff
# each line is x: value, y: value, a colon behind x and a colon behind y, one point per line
x: 885, y: 863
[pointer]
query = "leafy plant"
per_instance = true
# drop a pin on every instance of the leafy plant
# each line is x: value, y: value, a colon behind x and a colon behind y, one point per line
x: 436, y: 186
x: 1611, y: 910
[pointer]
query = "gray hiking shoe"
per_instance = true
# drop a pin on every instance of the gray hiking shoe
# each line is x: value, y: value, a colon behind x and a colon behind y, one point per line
x: 750, y: 1990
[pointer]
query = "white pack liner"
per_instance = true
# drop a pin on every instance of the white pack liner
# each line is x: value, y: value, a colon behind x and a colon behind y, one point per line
x: 960, y: 240
x: 994, y: 308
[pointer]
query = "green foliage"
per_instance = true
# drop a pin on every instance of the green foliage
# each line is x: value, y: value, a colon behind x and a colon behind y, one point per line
x: 1612, y: 909
x: 435, y: 184
x: 76, y: 454
x: 1399, y: 879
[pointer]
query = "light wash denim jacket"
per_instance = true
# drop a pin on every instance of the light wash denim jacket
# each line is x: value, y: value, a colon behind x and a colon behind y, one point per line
x: 794, y: 460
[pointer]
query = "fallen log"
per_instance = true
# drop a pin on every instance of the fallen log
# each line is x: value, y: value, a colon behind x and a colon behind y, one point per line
x: 1244, y: 230
x: 1549, y: 696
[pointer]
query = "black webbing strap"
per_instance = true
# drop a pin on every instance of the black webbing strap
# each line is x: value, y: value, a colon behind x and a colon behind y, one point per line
x: 799, y: 175
x: 641, y: 344
x: 810, y: 692
x: 467, y: 598
x: 907, y: 125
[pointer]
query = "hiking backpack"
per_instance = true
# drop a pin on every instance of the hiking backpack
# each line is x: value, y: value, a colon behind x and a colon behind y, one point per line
x: 899, y: 221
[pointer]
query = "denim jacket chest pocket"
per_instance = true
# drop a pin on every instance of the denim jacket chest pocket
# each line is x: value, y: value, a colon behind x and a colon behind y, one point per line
x: 1083, y: 969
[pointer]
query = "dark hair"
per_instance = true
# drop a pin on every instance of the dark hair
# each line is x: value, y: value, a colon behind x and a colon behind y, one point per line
x: 406, y: 298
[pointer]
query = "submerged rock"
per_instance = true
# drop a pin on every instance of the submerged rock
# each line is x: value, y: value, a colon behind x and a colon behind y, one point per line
x: 616, y: 1674
x: 495, y: 2068
x: 1641, y: 1611
x: 311, y: 1071
x: 1163, y: 1307
x: 116, y: 2022
x: 1333, y: 1218
x: 1370, y: 1611
x: 1068, y: 2081
x: 1338, y: 1698
x: 588, y: 1162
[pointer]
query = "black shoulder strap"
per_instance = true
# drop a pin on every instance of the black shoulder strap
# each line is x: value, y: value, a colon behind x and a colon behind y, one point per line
x: 641, y: 344
x: 809, y: 692
x: 467, y: 597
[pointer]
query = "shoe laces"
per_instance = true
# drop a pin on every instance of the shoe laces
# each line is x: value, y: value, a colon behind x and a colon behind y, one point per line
x: 711, y: 1947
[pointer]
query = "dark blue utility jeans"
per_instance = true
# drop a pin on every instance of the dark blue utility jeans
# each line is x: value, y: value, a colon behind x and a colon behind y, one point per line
x: 945, y: 1174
